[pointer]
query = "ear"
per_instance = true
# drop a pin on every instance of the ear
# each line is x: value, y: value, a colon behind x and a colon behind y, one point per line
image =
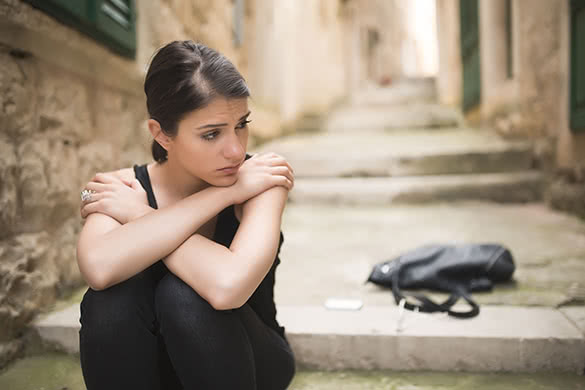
x: 164, y: 140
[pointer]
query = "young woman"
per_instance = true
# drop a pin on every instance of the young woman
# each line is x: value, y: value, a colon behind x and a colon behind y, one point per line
x: 180, y: 254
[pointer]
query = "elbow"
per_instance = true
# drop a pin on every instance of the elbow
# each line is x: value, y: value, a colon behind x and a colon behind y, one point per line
x: 93, y: 275
x: 226, y: 297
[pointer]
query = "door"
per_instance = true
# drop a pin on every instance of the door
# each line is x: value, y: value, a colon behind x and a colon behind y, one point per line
x: 577, y: 112
x: 469, y: 25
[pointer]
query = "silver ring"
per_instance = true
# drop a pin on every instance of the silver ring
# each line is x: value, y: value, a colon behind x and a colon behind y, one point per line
x: 86, y: 195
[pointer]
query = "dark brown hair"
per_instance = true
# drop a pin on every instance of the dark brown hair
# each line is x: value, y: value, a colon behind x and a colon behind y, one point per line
x: 184, y: 76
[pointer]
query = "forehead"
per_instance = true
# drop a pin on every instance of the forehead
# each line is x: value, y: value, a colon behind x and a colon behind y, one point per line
x: 219, y: 110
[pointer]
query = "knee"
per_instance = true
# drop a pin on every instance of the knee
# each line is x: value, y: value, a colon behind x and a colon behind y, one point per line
x: 122, y: 305
x: 175, y: 300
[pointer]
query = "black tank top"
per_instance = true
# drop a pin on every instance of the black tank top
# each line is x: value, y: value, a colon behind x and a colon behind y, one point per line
x: 262, y: 300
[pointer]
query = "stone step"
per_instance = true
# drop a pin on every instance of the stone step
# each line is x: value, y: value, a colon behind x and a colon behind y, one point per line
x: 409, y: 116
x: 499, y: 339
x: 405, y: 153
x: 510, y: 339
x: 496, y: 187
x: 399, y: 92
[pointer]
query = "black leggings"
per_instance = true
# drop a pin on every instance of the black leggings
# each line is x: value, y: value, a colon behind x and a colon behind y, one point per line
x: 153, y: 331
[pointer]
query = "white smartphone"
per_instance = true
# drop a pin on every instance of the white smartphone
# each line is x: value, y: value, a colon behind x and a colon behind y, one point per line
x: 343, y: 304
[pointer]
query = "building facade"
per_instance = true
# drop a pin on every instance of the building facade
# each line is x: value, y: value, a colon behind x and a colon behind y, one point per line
x: 518, y: 66
x: 72, y: 104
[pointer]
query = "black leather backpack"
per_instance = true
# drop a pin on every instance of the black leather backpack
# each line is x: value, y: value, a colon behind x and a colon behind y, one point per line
x: 458, y: 270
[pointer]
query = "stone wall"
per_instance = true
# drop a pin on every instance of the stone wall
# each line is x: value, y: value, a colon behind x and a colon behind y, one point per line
x: 69, y: 108
x: 449, y: 77
x: 296, y: 59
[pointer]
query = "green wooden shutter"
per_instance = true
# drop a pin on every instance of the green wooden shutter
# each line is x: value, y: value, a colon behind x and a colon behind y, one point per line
x: 577, y: 115
x: 111, y: 22
x: 469, y: 24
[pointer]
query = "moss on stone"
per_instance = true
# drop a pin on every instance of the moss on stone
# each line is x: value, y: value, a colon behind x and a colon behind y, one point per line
x: 60, y: 371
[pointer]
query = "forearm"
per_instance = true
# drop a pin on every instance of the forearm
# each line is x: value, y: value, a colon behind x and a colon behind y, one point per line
x: 227, y: 277
x: 130, y: 248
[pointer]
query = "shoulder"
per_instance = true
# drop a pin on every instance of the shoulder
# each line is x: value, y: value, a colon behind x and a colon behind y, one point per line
x: 123, y: 173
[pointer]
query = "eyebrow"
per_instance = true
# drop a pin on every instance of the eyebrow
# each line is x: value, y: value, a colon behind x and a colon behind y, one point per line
x: 212, y: 125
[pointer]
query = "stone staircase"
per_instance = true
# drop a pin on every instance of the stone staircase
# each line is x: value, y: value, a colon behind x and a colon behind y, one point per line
x: 387, y: 174
x: 406, y: 152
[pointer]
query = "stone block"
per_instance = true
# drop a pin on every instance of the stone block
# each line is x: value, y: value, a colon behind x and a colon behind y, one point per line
x: 65, y: 105
x: 48, y: 181
x: 18, y: 95
x: 10, y: 212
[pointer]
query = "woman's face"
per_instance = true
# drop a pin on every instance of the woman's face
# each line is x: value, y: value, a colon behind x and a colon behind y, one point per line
x: 213, y: 138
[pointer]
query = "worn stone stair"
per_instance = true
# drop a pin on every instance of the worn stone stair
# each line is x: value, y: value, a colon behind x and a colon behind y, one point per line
x: 496, y: 187
x: 404, y: 91
x: 501, y: 339
x: 409, y: 167
x: 375, y: 154
x: 408, y: 116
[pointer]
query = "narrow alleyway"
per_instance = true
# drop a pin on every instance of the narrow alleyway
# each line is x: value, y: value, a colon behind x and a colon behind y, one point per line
x: 390, y: 172
x: 394, y: 171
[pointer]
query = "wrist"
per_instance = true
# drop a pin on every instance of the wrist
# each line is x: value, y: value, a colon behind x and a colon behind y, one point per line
x: 142, y: 211
x: 227, y: 194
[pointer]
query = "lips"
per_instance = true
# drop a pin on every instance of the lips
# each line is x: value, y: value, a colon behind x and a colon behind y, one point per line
x: 233, y: 167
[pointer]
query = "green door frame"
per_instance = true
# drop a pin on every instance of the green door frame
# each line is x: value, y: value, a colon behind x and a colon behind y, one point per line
x: 577, y: 70
x: 469, y: 32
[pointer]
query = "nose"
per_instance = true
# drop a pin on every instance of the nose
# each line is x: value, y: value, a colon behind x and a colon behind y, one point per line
x: 233, y: 149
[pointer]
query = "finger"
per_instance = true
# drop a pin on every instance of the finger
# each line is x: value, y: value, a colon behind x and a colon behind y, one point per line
x: 285, y: 182
x: 136, y: 185
x: 283, y: 171
x: 98, y: 187
x: 87, y: 209
x: 279, y: 160
x: 106, y: 178
x: 94, y: 197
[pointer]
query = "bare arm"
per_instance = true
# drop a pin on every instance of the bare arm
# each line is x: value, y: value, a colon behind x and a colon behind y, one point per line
x: 227, y: 277
x: 108, y: 252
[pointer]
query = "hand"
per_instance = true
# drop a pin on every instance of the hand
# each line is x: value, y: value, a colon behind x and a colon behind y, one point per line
x: 118, y: 198
x: 261, y: 172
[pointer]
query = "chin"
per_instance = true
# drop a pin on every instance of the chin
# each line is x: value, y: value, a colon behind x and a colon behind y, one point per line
x: 224, y: 181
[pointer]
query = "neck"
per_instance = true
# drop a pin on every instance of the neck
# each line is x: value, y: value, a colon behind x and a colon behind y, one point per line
x: 175, y: 181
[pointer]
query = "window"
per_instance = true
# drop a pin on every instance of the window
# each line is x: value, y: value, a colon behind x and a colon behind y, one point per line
x: 110, y: 22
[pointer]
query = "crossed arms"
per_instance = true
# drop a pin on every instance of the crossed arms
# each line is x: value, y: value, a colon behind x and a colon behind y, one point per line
x: 109, y: 252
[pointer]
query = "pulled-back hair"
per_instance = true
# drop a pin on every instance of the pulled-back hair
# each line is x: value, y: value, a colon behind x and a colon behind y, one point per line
x: 184, y: 76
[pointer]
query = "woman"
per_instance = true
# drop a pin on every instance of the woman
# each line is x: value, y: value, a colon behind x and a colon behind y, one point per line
x: 180, y: 254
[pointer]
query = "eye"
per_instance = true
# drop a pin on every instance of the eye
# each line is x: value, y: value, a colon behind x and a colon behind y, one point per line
x: 210, y: 136
x: 243, y: 124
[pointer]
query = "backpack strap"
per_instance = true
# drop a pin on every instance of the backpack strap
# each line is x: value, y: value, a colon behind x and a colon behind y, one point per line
x: 427, y: 305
